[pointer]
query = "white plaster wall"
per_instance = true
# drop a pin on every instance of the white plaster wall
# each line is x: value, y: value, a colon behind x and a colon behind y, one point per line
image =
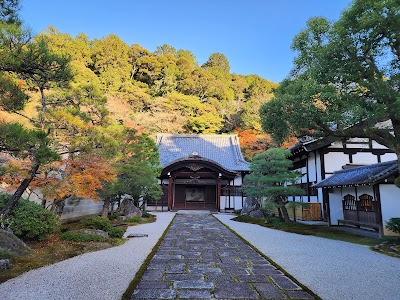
x: 311, y: 167
x: 236, y: 202
x: 334, y: 161
x: 238, y: 181
x: 388, y: 157
x: 361, y: 143
x: 390, y: 204
x: 337, y: 144
x: 376, y: 145
x: 318, y: 159
x: 222, y: 202
x: 336, y: 204
x: 365, y: 158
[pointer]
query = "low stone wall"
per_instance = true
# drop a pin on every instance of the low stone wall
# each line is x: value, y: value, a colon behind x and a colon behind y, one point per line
x: 78, y: 209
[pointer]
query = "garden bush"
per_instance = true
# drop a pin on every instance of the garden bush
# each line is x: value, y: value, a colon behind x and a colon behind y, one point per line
x: 134, y: 219
x: 97, y: 222
x: 145, y: 214
x: 115, y: 232
x: 29, y: 220
x: 393, y: 225
x: 103, y: 224
x: 74, y: 236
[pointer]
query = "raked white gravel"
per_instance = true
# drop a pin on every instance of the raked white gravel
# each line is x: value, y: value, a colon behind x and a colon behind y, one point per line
x: 98, y: 275
x: 332, y: 269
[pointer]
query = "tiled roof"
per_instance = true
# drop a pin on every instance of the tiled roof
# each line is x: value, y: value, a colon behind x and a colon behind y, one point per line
x: 310, y: 144
x: 221, y: 149
x: 360, y: 175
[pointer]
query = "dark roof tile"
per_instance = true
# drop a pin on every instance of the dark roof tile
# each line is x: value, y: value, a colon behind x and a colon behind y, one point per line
x: 360, y: 175
x: 222, y: 149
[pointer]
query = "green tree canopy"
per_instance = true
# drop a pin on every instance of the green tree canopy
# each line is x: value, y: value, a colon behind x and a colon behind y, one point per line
x: 271, y: 179
x: 345, y: 81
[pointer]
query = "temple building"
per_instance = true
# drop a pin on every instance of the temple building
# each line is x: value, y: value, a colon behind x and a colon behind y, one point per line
x: 202, y: 172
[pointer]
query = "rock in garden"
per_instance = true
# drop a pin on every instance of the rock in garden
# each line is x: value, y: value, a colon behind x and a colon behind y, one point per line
x: 256, y: 214
x: 12, y: 244
x: 129, y: 209
x: 121, y: 218
x: 97, y: 232
x: 250, y: 204
x: 5, y: 264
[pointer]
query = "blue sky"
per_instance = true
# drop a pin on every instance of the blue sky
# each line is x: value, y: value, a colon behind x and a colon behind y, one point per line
x: 255, y: 35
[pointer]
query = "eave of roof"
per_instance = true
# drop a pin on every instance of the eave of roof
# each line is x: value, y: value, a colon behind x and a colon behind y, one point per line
x: 309, y: 146
x: 223, y: 150
x: 364, y: 175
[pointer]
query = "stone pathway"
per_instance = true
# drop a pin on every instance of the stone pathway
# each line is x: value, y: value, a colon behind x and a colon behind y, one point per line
x: 200, y: 258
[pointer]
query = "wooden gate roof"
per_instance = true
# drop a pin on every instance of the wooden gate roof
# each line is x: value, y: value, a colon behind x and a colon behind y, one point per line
x: 221, y: 149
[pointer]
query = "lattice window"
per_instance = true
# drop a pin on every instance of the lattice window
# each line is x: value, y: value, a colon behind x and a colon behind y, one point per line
x: 349, y: 202
x: 366, y: 203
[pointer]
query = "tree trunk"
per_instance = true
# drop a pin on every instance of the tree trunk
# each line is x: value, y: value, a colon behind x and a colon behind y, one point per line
x: 6, y: 211
x: 106, y: 207
x: 283, y: 210
x: 285, y: 214
x: 44, y: 108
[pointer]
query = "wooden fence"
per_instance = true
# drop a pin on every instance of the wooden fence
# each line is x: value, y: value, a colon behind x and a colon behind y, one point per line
x: 310, y: 212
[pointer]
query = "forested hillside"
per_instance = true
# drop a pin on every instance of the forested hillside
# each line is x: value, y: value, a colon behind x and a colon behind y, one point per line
x: 162, y: 91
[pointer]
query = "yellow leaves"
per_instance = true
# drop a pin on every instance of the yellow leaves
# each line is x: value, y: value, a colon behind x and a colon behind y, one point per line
x: 67, y: 119
x: 12, y: 170
x: 318, y: 103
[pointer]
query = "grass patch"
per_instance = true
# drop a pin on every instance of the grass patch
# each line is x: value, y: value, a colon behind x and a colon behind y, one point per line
x: 131, y: 288
x: 54, y: 249
x: 315, y: 230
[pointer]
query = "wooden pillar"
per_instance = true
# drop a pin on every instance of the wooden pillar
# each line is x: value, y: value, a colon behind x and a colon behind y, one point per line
x: 308, y: 180
x: 170, y: 191
x: 378, y: 210
x: 357, y: 203
x: 229, y: 194
x: 219, y: 194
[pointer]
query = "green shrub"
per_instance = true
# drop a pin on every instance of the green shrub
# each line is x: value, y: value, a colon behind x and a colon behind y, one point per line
x: 115, y: 216
x: 30, y: 220
x: 97, y: 222
x: 145, y: 214
x: 135, y: 219
x: 74, y: 236
x: 115, y: 232
x: 103, y: 224
x: 393, y: 225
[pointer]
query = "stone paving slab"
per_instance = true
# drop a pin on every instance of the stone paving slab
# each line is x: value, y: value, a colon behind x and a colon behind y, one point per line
x: 200, y: 258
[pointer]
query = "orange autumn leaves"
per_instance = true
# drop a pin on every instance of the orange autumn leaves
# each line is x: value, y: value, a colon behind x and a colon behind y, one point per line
x: 81, y: 177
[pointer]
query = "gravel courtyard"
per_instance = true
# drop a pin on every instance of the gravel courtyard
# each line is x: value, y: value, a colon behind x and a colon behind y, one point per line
x: 97, y: 275
x: 332, y: 269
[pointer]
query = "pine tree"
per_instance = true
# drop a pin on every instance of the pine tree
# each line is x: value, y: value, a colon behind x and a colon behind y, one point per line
x: 270, y: 179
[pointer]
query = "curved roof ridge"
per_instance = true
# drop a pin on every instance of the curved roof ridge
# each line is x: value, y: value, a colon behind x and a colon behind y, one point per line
x: 223, y: 149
